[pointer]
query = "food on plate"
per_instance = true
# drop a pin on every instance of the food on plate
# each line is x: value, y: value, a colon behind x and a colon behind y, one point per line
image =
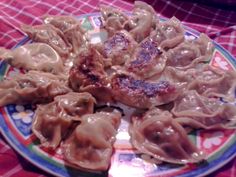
x: 197, y: 111
x: 147, y: 60
x: 142, y: 21
x: 145, y: 63
x: 53, y: 121
x: 213, y: 82
x: 143, y: 94
x: 88, y: 75
x: 168, y: 34
x: 35, y: 56
x: 118, y: 48
x: 50, y: 35
x: 158, y: 134
x: 32, y: 87
x: 189, y: 53
x: 90, y: 144
x: 71, y: 29
x: 113, y: 19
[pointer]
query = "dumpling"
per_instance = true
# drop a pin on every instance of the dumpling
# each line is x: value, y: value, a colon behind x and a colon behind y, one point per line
x: 168, y: 34
x: 50, y: 35
x: 139, y: 93
x: 190, y: 53
x: 194, y: 110
x: 142, y: 21
x: 156, y: 133
x: 213, y: 82
x: 113, y: 19
x: 147, y: 60
x: 36, y: 56
x: 118, y: 48
x: 52, y: 121
x: 61, y: 22
x: 88, y: 75
x: 90, y: 144
x: 32, y: 87
x: 71, y: 28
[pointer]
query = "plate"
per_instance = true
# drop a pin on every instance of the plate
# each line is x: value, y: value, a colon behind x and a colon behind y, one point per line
x: 16, y: 120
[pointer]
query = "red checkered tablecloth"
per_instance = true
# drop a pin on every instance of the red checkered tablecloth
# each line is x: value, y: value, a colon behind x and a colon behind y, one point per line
x: 219, y: 24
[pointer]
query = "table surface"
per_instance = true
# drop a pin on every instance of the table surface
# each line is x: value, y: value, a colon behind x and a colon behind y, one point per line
x: 218, y: 24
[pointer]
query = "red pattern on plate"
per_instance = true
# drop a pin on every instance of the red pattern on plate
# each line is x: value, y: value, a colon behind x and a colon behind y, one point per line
x: 219, y: 24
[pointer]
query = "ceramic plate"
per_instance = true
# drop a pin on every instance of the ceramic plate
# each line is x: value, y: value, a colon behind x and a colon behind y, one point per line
x: 16, y: 120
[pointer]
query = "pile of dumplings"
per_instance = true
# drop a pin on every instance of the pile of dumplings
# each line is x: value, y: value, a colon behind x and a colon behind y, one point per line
x: 144, y: 63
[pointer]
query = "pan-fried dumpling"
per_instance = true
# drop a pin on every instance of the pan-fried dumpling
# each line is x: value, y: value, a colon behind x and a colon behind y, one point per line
x: 90, y: 144
x: 50, y: 35
x: 213, y: 82
x: 156, y: 133
x: 142, y: 21
x: 168, y: 34
x: 190, y: 53
x: 88, y: 75
x: 113, y: 19
x: 194, y: 110
x: 139, y: 93
x: 52, y: 121
x: 32, y: 87
x: 147, y: 60
x: 71, y: 28
x: 36, y: 56
x: 118, y: 48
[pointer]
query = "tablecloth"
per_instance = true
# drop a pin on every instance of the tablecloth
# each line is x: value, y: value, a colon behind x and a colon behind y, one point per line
x: 218, y: 23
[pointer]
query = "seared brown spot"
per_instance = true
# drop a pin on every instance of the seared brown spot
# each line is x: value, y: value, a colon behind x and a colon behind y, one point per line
x: 118, y: 40
x: 147, y: 88
x: 148, y: 51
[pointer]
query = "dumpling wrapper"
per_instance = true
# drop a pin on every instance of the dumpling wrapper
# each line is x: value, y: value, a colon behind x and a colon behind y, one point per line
x: 53, y: 121
x: 213, y: 82
x: 133, y: 91
x: 113, y: 19
x: 142, y: 21
x: 196, y: 111
x: 190, y: 53
x: 159, y: 135
x: 71, y: 28
x: 36, y: 56
x: 90, y: 144
x: 118, y: 48
x: 50, y: 35
x: 88, y: 75
x: 168, y: 34
x: 32, y: 87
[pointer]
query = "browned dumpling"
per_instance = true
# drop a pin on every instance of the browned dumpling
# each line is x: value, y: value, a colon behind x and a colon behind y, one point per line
x: 71, y: 28
x: 88, y: 75
x: 118, y: 48
x: 142, y: 21
x: 190, y: 53
x: 157, y: 134
x: 53, y: 121
x: 50, y: 35
x: 147, y: 60
x: 36, y: 56
x: 32, y: 87
x: 168, y: 34
x: 113, y: 19
x: 139, y: 93
x: 194, y: 110
x: 213, y: 82
x: 90, y: 144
